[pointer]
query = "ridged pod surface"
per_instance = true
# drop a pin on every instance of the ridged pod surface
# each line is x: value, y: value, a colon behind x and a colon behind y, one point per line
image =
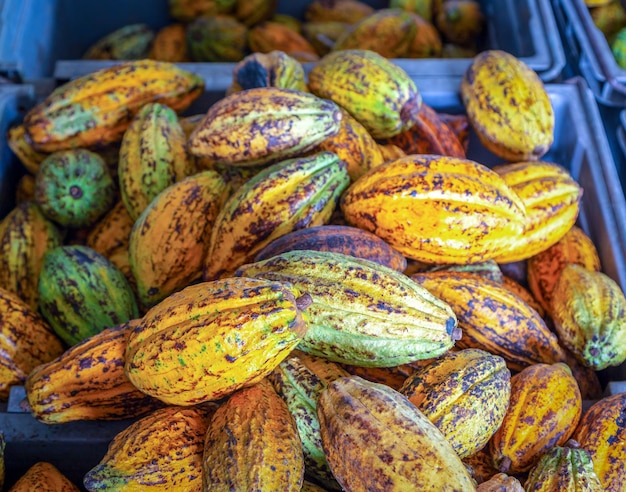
x: 152, y: 157
x: 23, y: 149
x: 566, y: 469
x: 488, y: 269
x: 252, y: 12
x: 545, y: 267
x: 26, y: 341
x: 436, y: 209
x: 213, y: 338
x: 252, y: 443
x: 494, y: 319
x: 362, y: 313
x: 188, y: 10
x: 74, y: 187
x: 602, y: 433
x: 347, y: 240
x: 273, y: 69
x: 87, y: 382
x: 300, y: 386
x: 377, y: 93
x: 287, y: 196
x: 388, y: 32
x: 376, y: 439
x: 589, y: 313
x: 81, y: 293
x: 25, y: 237
x: 96, y: 109
x: 43, y: 476
x: 170, y: 238
x: 465, y: 394
x: 543, y: 412
x: 355, y: 146
x: 427, y: 42
x: 161, y: 451
x: 508, y: 106
x: 129, y: 42
x: 112, y: 231
x: 394, y: 377
x: 263, y: 125
x: 429, y: 135
x: 271, y: 36
x: 551, y: 198
x: 521, y: 291
x: 460, y: 22
x: 322, y: 35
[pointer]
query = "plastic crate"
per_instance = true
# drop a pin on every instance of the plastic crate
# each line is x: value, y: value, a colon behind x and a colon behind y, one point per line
x: 34, y: 34
x: 589, y: 52
x: 582, y: 148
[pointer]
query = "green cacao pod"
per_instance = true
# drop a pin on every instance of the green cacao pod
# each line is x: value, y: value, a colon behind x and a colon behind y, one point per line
x: 219, y: 38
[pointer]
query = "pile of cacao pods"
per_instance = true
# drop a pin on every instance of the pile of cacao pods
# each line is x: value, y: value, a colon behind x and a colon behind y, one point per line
x: 228, y: 30
x: 309, y: 286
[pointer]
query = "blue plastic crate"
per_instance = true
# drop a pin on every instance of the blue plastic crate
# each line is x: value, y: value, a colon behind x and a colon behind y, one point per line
x: 34, y: 34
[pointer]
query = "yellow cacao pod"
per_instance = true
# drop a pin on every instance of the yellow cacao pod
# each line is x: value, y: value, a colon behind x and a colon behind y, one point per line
x: 272, y: 36
x: 23, y: 149
x: 369, y: 426
x: 589, y: 313
x: 44, y: 477
x: 544, y: 410
x: 383, y: 98
x: 96, y: 109
x: 436, y: 209
x: 252, y: 443
x: 508, y: 106
x: 112, y: 231
x: 213, y: 338
x: 263, y: 125
x: 348, y: 11
x: 170, y: 44
x: 551, y: 198
x: 602, y: 433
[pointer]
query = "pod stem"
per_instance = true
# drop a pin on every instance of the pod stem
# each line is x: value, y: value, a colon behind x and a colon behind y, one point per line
x: 304, y: 301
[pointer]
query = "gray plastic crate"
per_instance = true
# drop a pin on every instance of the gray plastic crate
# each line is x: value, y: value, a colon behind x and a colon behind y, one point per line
x: 589, y: 52
x: 34, y: 34
x: 582, y: 148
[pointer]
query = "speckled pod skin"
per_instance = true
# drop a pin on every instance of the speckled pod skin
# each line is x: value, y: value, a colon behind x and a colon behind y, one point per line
x: 544, y: 409
x: 567, y: 469
x: 551, y: 197
x: 436, y: 209
x: 130, y: 42
x: 270, y: 36
x: 300, y: 387
x: 394, y: 377
x: 465, y: 394
x: 424, y: 8
x: 218, y: 38
x: 161, y: 452
x: 45, y: 477
x: 74, y: 187
x: 96, y: 109
x: 252, y: 443
x: 169, y: 239
x: 488, y: 269
x: 112, y: 231
x: 263, y: 125
x: 253, y: 12
x: 429, y: 135
x: 494, y: 319
x: 25, y: 237
x: 152, y: 157
x: 213, y: 338
x: 287, y: 196
x: 170, y: 44
x: 388, y: 32
x: 188, y: 10
x: 348, y: 11
x: 274, y: 69
x: 347, y: 240
x: 81, y: 293
x: 355, y: 146
x: 22, y: 148
x: 377, y: 93
x: 602, y: 433
x: 362, y: 313
x: 376, y: 439
x: 521, y: 291
x: 87, y: 382
x: 501, y: 482
x: 26, y: 341
x: 589, y: 313
x: 545, y: 267
x: 508, y: 106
